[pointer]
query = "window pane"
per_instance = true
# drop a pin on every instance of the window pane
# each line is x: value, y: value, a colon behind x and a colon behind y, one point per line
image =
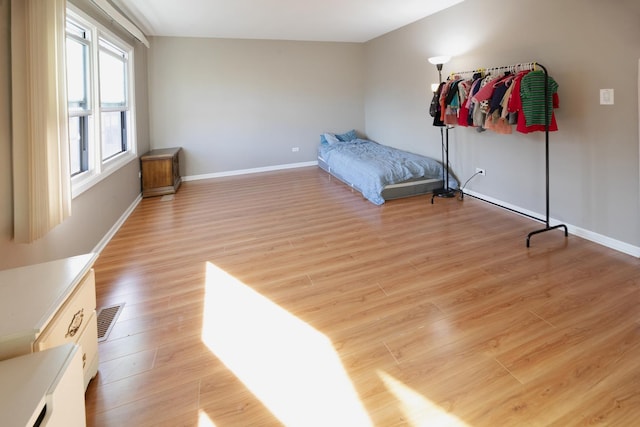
x: 75, y: 142
x: 113, y: 133
x: 112, y: 80
x: 79, y: 139
x: 77, y: 54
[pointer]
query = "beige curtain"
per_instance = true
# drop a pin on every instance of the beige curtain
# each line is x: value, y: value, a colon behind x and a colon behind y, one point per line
x: 42, y: 187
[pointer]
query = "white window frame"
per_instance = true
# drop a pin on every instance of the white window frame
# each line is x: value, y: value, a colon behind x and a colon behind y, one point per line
x: 99, y: 169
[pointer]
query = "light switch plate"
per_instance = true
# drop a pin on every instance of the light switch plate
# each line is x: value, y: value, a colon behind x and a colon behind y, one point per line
x: 606, y: 96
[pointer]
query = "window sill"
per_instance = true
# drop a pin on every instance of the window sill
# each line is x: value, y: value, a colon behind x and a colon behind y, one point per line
x: 85, y: 181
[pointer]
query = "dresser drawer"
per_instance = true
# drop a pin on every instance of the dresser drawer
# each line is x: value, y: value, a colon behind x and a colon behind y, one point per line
x: 87, y: 339
x: 88, y: 342
x: 72, y: 317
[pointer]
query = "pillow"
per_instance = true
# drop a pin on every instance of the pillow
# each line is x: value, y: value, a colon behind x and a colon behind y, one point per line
x: 323, y: 140
x: 347, y: 136
x: 331, y: 138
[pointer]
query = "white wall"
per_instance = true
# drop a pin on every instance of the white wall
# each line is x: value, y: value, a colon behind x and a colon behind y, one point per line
x: 244, y: 104
x: 586, y: 45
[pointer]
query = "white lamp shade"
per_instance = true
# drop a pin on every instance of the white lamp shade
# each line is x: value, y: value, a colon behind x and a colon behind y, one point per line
x: 439, y: 59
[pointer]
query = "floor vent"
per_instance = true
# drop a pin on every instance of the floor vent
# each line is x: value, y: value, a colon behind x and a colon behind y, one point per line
x: 107, y: 317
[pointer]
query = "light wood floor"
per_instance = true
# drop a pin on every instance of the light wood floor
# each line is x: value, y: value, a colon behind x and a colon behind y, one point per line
x: 286, y: 299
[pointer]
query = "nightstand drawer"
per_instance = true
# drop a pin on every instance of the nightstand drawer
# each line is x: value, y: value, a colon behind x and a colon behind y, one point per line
x: 72, y: 318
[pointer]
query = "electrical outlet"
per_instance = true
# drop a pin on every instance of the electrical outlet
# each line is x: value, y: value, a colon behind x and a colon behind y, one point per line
x: 295, y: 149
x: 480, y: 171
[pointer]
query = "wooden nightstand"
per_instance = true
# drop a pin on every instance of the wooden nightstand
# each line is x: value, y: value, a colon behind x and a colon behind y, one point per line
x: 160, y: 172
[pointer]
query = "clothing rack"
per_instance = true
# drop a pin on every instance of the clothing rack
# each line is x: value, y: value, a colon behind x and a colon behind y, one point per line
x: 515, y: 68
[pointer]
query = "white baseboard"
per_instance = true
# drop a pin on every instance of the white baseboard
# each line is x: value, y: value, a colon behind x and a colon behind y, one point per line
x: 572, y: 229
x: 113, y: 230
x: 248, y: 171
x: 605, y: 241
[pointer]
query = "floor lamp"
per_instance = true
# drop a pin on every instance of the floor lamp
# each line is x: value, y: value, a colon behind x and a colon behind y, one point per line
x: 438, y: 61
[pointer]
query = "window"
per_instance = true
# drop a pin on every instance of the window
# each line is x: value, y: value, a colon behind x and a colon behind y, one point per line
x: 100, y: 101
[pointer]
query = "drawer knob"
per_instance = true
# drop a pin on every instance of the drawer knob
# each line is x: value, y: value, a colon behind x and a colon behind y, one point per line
x: 74, y: 326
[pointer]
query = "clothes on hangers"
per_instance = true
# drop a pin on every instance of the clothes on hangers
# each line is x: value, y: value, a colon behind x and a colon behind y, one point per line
x: 533, y: 103
x: 510, y: 96
x: 480, y: 100
x: 464, y: 90
x: 475, y: 87
x: 499, y: 92
x: 534, y: 108
x: 436, y: 108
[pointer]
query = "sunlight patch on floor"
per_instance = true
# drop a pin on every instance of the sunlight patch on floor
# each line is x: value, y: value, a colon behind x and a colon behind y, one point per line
x: 204, y: 420
x: 288, y: 365
x: 418, y: 410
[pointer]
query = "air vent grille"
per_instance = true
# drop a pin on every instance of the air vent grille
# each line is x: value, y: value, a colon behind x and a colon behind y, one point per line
x: 107, y: 317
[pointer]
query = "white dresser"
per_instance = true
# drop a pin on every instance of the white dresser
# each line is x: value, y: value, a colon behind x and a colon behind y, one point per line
x: 44, y: 388
x: 49, y: 304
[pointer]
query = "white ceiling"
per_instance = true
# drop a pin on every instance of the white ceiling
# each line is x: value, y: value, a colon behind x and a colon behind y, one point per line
x: 311, y: 20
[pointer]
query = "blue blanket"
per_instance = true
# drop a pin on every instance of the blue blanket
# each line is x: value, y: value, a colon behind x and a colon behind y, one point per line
x: 369, y: 166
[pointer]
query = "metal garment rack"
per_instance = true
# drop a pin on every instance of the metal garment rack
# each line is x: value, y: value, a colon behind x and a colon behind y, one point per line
x: 515, y: 69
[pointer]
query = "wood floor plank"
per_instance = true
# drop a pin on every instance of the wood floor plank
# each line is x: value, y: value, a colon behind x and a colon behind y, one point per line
x: 151, y: 410
x: 562, y: 345
x: 610, y: 358
x: 432, y: 314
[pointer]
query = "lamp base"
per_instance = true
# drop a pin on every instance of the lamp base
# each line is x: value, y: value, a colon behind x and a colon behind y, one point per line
x: 446, y: 193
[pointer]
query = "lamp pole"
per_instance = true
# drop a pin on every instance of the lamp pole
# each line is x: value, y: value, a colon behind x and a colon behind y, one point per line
x: 439, y: 61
